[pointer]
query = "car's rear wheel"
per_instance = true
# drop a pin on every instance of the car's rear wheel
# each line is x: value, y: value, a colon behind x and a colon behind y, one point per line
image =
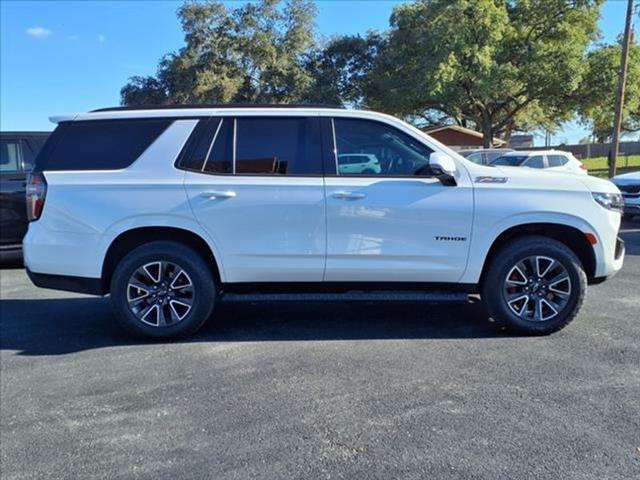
x: 162, y: 290
x: 535, y: 285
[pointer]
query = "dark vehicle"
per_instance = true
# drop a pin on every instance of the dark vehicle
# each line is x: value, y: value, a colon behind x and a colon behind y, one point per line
x: 484, y: 156
x: 17, y: 153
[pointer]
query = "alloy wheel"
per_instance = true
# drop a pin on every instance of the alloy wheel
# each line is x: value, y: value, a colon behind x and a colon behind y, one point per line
x: 537, y: 288
x: 160, y: 294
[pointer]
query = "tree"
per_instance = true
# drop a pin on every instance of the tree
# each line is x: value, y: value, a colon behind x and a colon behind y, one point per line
x: 497, y: 65
x: 340, y: 69
x: 255, y: 53
x: 597, y: 92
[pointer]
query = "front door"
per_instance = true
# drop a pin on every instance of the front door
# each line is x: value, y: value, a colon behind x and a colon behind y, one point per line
x: 398, y: 225
x: 259, y: 193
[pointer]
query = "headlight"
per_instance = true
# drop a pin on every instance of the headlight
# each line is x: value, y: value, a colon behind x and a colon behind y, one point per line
x: 611, y: 201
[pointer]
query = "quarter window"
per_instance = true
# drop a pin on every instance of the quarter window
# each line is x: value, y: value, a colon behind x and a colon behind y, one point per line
x: 98, y: 144
x: 380, y: 149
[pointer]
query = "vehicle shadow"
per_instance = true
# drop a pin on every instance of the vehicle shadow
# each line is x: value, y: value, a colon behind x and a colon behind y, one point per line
x: 61, y: 326
x: 630, y: 233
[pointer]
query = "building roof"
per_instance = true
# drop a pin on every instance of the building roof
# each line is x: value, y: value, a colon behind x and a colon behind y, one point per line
x: 463, y: 130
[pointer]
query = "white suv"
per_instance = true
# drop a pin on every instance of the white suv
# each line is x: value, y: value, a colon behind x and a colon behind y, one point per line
x: 172, y: 209
x: 550, y: 160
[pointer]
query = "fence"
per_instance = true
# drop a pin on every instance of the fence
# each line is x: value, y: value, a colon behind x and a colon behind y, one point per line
x: 594, y: 150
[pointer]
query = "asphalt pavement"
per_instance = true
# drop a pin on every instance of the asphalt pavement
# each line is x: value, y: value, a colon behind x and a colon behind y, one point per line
x: 321, y: 390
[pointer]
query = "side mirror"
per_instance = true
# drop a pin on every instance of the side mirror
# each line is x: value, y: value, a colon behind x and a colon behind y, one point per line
x: 444, y: 167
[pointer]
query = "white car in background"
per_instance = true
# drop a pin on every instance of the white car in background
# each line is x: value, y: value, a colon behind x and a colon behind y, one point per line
x: 554, y: 160
x: 629, y: 185
x: 358, y: 163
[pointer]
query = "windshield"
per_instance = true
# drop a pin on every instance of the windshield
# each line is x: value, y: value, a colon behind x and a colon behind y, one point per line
x: 509, y: 160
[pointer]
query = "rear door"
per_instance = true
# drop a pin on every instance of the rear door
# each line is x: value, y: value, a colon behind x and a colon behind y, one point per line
x: 399, y: 225
x: 13, y: 211
x: 255, y: 183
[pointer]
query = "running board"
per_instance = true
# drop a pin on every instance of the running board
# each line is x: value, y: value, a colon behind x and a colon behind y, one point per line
x: 382, y: 296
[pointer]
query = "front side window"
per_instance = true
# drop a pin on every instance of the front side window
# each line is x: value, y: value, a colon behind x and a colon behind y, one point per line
x: 535, y: 162
x: 476, y: 158
x: 10, y: 154
x: 557, y: 160
x: 365, y: 147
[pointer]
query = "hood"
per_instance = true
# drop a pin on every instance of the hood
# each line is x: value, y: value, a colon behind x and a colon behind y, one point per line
x: 522, y: 177
x: 627, y: 178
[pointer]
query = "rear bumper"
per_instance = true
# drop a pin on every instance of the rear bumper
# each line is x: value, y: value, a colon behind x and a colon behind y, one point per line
x: 91, y: 286
x: 10, y: 252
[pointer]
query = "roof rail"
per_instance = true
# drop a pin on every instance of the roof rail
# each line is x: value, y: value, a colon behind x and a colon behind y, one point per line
x: 217, y: 105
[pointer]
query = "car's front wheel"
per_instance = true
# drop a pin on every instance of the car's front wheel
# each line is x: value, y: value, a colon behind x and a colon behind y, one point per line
x: 535, y: 285
x: 162, y: 290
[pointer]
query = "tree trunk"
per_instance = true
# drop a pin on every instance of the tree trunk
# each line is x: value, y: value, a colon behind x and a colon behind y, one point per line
x: 487, y: 133
x: 622, y: 79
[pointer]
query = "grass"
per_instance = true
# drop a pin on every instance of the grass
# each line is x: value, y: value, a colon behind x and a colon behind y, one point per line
x: 598, y: 166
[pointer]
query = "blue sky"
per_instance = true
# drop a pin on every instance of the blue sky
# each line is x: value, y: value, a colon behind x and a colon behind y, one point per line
x: 70, y: 56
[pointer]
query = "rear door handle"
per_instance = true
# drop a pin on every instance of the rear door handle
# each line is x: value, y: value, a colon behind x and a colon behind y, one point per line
x: 212, y: 195
x: 348, y: 195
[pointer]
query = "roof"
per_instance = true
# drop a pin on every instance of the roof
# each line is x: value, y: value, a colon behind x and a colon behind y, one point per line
x: 458, y: 128
x: 198, y: 111
x: 25, y: 134
x: 536, y: 152
x: 215, y: 106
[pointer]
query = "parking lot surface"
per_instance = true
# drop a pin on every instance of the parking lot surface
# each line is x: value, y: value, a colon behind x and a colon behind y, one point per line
x: 395, y: 390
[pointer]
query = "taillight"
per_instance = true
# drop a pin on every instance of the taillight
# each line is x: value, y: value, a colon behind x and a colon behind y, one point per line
x: 36, y: 194
x: 583, y: 166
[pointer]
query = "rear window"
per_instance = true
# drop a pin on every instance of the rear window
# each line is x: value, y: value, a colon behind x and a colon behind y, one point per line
x: 99, y: 145
x: 509, y: 160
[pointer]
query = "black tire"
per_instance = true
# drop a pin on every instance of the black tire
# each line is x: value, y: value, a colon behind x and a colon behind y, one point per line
x: 202, y: 289
x: 627, y: 217
x: 494, y: 288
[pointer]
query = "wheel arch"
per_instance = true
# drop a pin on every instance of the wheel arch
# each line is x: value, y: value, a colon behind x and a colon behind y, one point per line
x: 135, y: 237
x: 570, y: 236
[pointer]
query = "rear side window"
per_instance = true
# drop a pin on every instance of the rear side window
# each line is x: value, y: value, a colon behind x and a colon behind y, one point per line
x: 535, y: 162
x: 99, y: 145
x: 255, y: 146
x: 509, y: 160
x: 557, y: 160
x: 277, y: 146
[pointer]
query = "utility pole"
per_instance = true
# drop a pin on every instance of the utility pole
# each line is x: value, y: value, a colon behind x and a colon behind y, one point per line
x: 622, y: 81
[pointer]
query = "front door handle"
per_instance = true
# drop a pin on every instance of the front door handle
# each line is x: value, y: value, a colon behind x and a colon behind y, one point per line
x: 212, y: 195
x: 348, y: 195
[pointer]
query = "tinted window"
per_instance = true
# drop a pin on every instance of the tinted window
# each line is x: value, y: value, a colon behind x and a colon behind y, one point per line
x: 389, y: 151
x: 509, y: 160
x: 535, y: 162
x: 10, y: 156
x: 98, y: 145
x: 30, y: 148
x: 277, y: 146
x: 557, y: 160
x: 491, y: 156
x: 476, y: 158
x: 220, y: 155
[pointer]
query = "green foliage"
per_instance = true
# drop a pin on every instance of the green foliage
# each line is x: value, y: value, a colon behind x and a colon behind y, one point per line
x: 597, y: 92
x: 255, y: 53
x: 499, y: 65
